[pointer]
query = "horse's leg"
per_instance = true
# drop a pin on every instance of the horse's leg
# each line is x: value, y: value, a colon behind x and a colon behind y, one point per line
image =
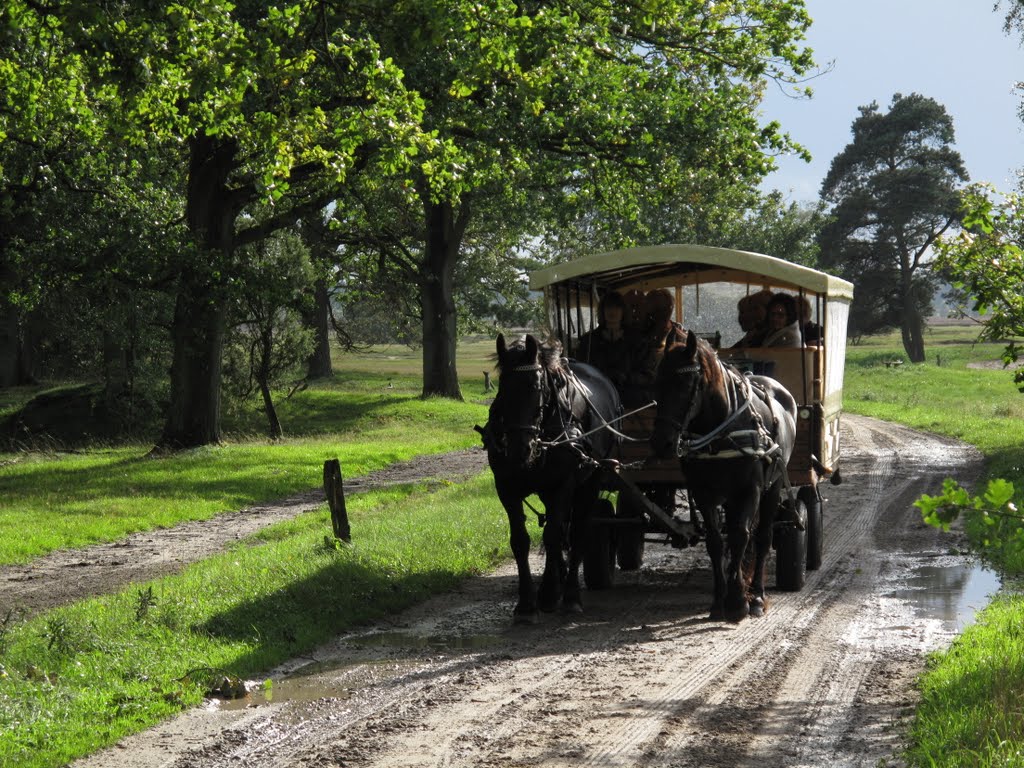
x: 739, y: 514
x: 557, y: 508
x: 525, y: 611
x: 763, y: 542
x: 716, y: 553
x: 583, y: 501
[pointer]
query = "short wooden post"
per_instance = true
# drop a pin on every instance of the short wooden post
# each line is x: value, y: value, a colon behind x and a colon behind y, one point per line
x: 488, y: 386
x: 335, y: 492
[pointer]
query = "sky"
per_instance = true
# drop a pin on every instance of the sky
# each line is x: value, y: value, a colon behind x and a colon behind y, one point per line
x: 953, y: 51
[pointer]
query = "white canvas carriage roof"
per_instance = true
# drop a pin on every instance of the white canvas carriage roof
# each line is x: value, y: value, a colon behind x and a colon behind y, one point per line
x: 668, y: 264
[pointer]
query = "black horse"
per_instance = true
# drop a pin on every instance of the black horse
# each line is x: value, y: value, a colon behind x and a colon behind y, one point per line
x: 734, y: 435
x: 548, y: 429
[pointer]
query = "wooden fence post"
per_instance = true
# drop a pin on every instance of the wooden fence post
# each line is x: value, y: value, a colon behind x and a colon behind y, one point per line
x: 335, y: 492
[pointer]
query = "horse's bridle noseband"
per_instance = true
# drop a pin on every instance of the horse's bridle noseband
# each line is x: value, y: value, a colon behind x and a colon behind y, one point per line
x: 535, y: 428
x: 681, y: 426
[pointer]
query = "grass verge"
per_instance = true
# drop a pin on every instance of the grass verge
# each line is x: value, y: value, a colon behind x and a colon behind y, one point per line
x: 80, y: 677
x: 55, y: 501
x: 972, y: 696
x: 971, y: 712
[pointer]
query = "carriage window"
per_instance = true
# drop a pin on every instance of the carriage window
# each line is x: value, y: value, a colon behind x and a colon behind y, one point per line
x: 712, y: 309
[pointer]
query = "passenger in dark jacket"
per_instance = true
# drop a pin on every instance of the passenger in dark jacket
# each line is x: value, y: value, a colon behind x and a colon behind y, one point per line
x: 607, y: 347
x: 660, y: 332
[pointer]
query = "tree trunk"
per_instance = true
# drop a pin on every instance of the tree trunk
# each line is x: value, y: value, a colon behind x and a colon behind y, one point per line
x: 911, y: 322
x: 197, y: 332
x: 912, y: 330
x: 437, y: 297
x: 263, y: 378
x: 14, y: 358
x: 10, y: 345
x: 319, y: 362
x: 115, y: 366
x: 268, y: 407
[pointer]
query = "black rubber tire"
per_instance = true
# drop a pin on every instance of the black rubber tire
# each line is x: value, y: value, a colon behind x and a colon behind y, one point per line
x: 791, y: 554
x: 599, y: 554
x: 815, y: 527
x: 629, y: 544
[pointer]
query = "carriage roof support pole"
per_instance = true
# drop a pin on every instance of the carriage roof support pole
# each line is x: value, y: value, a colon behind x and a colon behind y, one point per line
x: 803, y: 357
x: 579, y: 314
x: 558, y: 313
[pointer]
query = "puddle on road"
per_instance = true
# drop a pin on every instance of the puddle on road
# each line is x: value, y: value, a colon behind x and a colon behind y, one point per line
x: 312, y: 682
x: 951, y: 593
x: 289, y: 689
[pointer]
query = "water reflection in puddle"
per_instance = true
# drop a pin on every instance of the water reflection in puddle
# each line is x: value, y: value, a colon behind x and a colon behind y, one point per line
x: 290, y: 689
x: 952, y: 593
x: 313, y: 682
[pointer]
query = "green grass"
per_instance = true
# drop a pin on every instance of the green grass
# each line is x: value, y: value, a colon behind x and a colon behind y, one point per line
x: 69, y: 500
x: 83, y: 676
x: 979, y: 406
x: 474, y: 356
x: 972, y: 698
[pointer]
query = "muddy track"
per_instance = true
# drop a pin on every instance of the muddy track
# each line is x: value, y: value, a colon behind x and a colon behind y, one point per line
x: 642, y: 678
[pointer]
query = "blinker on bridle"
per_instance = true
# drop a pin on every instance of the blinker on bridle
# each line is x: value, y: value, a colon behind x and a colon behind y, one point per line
x: 694, y: 403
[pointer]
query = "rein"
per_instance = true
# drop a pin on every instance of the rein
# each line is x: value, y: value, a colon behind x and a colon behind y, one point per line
x: 605, y: 424
x: 761, y: 444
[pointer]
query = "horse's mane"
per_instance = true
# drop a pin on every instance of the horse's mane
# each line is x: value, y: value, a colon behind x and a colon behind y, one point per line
x: 708, y: 359
x: 549, y: 354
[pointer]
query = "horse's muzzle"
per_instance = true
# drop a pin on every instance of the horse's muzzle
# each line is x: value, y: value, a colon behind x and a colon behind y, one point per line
x: 663, y: 440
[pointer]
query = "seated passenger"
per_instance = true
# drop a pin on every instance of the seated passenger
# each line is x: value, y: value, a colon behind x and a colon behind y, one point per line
x: 633, y: 321
x: 752, y: 315
x: 783, y: 322
x: 606, y: 347
x: 812, y: 332
x: 659, y: 332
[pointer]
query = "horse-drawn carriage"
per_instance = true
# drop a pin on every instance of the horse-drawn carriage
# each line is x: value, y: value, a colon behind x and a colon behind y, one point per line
x: 725, y: 442
x: 652, y: 495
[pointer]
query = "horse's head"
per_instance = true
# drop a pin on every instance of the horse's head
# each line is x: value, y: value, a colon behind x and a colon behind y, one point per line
x: 518, y: 410
x: 678, y: 390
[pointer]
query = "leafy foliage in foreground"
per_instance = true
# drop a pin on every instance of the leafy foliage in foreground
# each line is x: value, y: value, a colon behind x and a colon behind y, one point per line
x: 996, y: 526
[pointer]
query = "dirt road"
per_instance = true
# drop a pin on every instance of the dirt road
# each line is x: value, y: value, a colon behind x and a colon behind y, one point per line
x: 641, y: 679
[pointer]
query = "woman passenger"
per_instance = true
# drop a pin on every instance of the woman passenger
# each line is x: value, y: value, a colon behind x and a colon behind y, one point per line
x: 606, y: 347
x: 783, y: 322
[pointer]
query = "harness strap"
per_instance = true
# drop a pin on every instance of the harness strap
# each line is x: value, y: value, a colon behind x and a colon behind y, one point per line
x: 740, y: 386
x: 581, y: 388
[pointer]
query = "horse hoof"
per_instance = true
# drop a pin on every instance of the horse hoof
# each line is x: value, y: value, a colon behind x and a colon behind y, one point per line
x: 717, y: 613
x: 525, y: 618
x: 572, y: 606
x: 738, y: 615
x: 757, y: 607
x: 547, y: 606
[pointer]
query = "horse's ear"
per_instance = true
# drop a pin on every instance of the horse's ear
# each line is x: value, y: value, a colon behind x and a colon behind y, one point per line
x: 502, y: 349
x: 691, y: 344
x: 532, y: 346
